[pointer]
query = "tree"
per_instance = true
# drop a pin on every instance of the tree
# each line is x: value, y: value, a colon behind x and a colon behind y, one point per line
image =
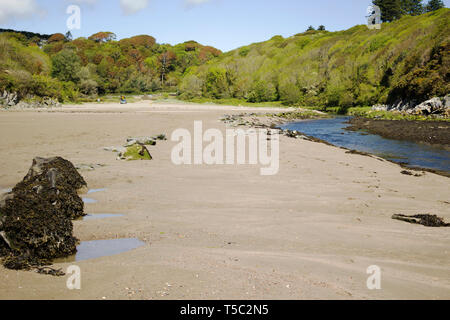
x: 66, y: 66
x: 321, y: 28
x: 310, y: 28
x: 412, y: 7
x: 434, y: 5
x: 56, y: 38
x: 390, y: 9
x: 69, y: 36
x: 103, y: 37
x: 166, y: 60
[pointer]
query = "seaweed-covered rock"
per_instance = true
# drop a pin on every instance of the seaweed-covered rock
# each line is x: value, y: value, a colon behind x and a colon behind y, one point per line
x: 56, y: 181
x: 427, y: 220
x: 35, y: 218
x: 136, y: 152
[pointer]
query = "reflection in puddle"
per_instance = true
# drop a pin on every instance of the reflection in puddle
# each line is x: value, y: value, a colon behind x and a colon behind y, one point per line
x: 96, y: 216
x: 89, y: 200
x: 6, y: 190
x: 102, y: 248
x: 96, y: 190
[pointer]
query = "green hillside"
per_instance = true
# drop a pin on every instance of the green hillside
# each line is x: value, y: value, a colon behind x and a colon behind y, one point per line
x: 67, y: 69
x: 407, y: 59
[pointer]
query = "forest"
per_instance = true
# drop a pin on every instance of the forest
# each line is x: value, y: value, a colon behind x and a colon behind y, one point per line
x: 57, y: 66
x: 408, y: 59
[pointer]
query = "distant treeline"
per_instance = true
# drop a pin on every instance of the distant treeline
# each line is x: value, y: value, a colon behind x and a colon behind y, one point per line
x: 27, y: 34
x: 66, y: 69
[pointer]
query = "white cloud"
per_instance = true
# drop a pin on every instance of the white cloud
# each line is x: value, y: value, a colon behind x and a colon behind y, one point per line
x: 133, y: 6
x: 11, y: 10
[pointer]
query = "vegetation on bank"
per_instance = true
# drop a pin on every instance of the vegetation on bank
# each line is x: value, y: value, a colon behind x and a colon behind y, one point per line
x: 367, y: 112
x: 407, y: 59
x: 57, y: 66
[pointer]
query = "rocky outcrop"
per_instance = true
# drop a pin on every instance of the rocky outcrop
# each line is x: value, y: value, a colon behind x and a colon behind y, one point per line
x: 35, y: 217
x: 10, y: 100
x: 135, y: 152
x: 136, y: 148
x: 423, y: 219
x: 434, y: 106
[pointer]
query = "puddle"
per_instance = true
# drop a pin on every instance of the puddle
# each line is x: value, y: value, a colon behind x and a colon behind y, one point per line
x: 97, y: 216
x: 89, y: 200
x: 6, y: 190
x: 96, y: 190
x: 87, y: 250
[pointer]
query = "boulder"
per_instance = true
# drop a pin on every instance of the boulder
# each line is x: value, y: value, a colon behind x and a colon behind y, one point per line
x: 8, y: 99
x: 380, y: 107
x: 432, y: 106
x: 56, y: 180
x: 35, y: 217
x: 135, y: 152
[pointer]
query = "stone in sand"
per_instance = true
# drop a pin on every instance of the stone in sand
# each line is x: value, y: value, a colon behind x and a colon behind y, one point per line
x: 35, y: 218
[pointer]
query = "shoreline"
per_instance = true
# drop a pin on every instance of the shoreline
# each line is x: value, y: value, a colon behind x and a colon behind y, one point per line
x: 434, y: 133
x: 279, y: 122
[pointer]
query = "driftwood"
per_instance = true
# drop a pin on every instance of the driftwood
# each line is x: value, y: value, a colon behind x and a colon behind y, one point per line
x: 423, y: 219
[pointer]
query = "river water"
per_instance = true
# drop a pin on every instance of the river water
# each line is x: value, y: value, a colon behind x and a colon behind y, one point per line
x: 413, y: 154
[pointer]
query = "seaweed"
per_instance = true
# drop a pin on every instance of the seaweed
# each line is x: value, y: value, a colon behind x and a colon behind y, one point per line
x: 427, y: 220
x: 36, y: 217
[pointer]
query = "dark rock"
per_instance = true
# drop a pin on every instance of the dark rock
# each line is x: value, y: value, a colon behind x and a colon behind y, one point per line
x: 423, y: 219
x: 35, y: 218
x: 57, y: 181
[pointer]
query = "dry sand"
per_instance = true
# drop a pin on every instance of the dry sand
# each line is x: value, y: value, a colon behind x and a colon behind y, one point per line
x: 226, y: 232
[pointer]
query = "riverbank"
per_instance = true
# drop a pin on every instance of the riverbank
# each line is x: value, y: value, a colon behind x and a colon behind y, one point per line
x: 226, y: 232
x: 430, y: 132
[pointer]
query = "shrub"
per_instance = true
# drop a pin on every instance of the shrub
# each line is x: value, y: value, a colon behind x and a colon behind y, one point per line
x: 66, y: 65
x: 262, y: 91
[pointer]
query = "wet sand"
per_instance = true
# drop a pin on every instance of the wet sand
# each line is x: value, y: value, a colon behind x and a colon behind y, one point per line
x: 226, y: 232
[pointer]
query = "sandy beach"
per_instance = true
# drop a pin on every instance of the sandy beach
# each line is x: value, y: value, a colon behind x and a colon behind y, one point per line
x: 225, y: 231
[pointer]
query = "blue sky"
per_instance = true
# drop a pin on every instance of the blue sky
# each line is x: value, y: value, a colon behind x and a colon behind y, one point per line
x: 224, y: 24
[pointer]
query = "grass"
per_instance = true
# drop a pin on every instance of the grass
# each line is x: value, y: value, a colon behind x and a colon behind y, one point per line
x: 237, y: 102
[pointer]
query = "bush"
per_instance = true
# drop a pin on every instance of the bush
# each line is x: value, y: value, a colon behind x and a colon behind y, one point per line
x: 216, y: 85
x: 262, y: 91
x: 66, y: 65
x: 290, y: 94
x: 191, y: 87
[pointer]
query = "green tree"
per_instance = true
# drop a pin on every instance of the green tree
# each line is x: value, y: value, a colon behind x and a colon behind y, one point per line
x: 310, y: 28
x: 69, y: 36
x: 321, y: 28
x: 412, y: 7
x: 66, y: 65
x: 390, y: 9
x: 434, y: 5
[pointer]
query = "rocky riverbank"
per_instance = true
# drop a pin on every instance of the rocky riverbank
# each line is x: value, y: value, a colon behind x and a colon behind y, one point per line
x: 11, y: 100
x: 430, y: 132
